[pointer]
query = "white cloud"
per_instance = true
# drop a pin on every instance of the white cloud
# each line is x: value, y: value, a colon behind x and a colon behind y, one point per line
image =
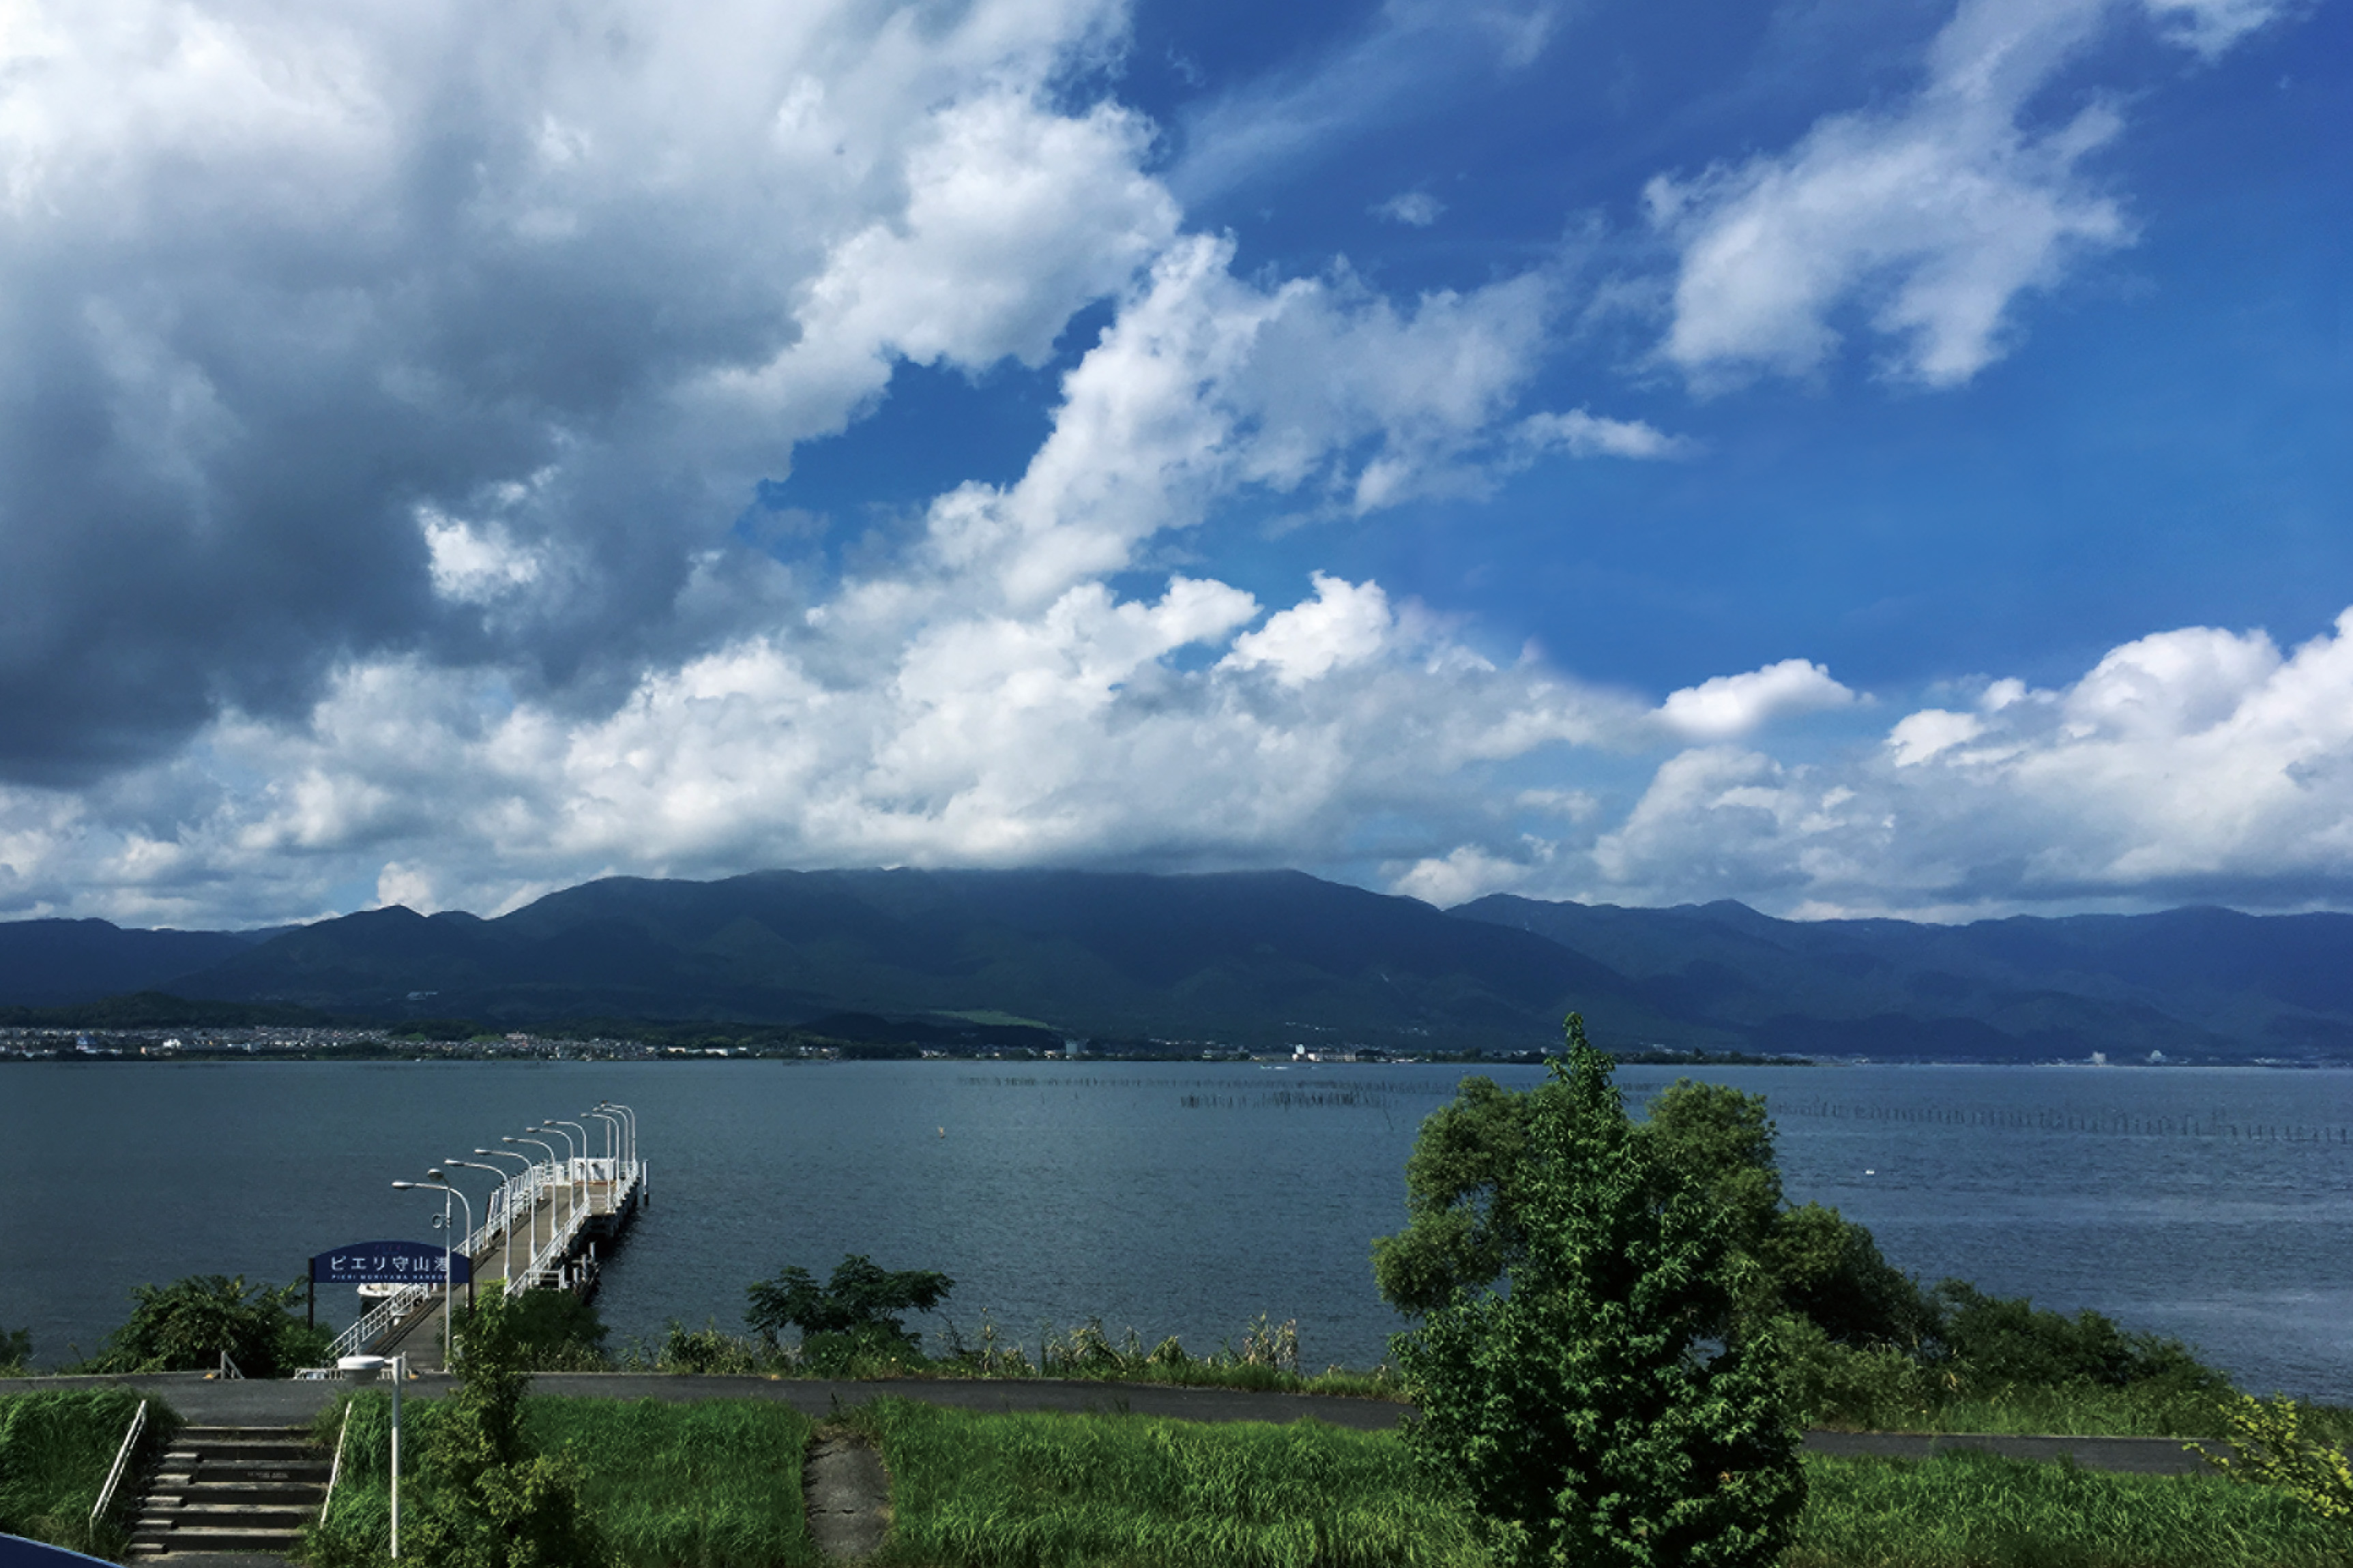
x: 1416, y: 209
x: 1460, y: 875
x: 1727, y: 706
x: 1584, y: 435
x: 2196, y: 763
x: 1929, y: 219
x: 1345, y: 623
x: 472, y: 564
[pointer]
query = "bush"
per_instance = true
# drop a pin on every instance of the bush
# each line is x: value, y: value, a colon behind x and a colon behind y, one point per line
x: 16, y: 1352
x: 187, y: 1325
x: 2273, y: 1451
x: 492, y: 1502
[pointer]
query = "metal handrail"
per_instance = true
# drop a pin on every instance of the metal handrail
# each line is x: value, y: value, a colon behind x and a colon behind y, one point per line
x: 335, y: 1471
x: 122, y: 1459
x: 229, y: 1369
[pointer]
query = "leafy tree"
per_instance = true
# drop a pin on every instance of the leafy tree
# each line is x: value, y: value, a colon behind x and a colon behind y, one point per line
x: 1584, y: 1395
x: 15, y: 1350
x: 492, y: 1502
x: 860, y: 1304
x: 1464, y: 1202
x: 184, y: 1326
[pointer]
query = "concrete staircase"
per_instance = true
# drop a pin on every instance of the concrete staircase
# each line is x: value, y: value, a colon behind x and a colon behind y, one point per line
x: 231, y: 1489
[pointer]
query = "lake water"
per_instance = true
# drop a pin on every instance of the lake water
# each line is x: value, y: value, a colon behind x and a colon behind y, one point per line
x: 2215, y: 1204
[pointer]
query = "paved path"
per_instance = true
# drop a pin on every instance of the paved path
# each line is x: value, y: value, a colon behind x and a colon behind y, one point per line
x: 252, y: 1403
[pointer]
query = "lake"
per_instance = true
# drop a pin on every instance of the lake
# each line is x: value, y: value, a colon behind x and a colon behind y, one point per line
x: 2215, y: 1204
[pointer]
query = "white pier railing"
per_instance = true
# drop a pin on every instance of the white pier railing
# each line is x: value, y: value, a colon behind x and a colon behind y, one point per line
x: 569, y: 1190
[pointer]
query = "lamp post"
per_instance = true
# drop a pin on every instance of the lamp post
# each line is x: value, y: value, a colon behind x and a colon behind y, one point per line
x: 573, y: 1151
x: 612, y: 1144
x: 449, y: 1268
x: 554, y: 1224
x: 585, y: 1173
x: 632, y: 1155
x: 530, y: 1207
x: 506, y: 1232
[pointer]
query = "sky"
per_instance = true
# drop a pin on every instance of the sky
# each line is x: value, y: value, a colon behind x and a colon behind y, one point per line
x: 1855, y: 456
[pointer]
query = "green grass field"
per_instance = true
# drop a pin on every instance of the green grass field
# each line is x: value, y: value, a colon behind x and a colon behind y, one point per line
x: 55, y: 1450
x: 717, y: 1485
x: 978, y: 1491
x: 710, y: 1485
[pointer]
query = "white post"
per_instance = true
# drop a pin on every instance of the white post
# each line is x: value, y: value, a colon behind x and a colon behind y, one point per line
x: 399, y: 1372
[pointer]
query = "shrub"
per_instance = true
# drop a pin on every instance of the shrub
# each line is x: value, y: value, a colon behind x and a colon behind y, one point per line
x: 186, y: 1326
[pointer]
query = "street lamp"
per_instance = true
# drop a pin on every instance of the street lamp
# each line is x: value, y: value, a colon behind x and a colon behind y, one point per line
x: 506, y: 1232
x: 587, y: 1182
x: 530, y: 1207
x: 553, y: 1221
x: 448, y: 1268
x: 612, y: 1144
x: 573, y: 1151
x: 629, y: 1153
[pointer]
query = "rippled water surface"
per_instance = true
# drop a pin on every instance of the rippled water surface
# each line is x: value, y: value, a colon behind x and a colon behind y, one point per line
x: 2215, y: 1204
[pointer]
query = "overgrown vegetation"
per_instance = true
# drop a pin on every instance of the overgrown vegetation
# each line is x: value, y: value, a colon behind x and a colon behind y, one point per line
x: 16, y: 1352
x: 187, y: 1325
x: 715, y: 1484
x: 2274, y: 1446
x: 971, y: 1490
x: 1968, y: 1510
x: 55, y: 1447
x: 1264, y: 1359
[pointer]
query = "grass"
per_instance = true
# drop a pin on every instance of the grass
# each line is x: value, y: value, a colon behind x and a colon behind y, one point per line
x: 1963, y: 1510
x: 715, y: 1484
x: 56, y: 1448
x: 1266, y: 1361
x: 972, y: 1490
x: 975, y: 1490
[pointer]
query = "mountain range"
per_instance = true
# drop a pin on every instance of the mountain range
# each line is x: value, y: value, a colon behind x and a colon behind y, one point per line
x: 1266, y: 959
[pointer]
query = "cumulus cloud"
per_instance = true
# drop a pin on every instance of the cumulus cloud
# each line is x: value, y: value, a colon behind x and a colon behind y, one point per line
x: 1926, y: 220
x: 327, y: 324
x: 2197, y: 763
x: 1727, y: 706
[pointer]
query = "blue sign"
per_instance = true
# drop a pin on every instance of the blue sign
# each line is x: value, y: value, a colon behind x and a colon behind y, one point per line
x: 390, y: 1263
x: 15, y: 1551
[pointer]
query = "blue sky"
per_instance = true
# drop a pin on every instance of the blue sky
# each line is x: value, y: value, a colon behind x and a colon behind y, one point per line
x: 1856, y: 458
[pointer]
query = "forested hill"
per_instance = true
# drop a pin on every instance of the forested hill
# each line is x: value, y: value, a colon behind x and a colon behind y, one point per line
x: 2203, y: 984
x: 1263, y: 959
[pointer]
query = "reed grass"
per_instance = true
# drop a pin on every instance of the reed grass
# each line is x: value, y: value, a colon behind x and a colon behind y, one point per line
x: 55, y: 1447
x: 973, y: 1490
x: 1968, y: 1510
x: 715, y: 1484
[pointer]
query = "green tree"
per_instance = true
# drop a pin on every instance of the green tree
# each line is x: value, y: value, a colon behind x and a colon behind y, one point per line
x: 186, y: 1325
x: 855, y: 1312
x: 492, y: 1502
x: 1464, y: 1201
x: 1587, y: 1397
x: 15, y: 1350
